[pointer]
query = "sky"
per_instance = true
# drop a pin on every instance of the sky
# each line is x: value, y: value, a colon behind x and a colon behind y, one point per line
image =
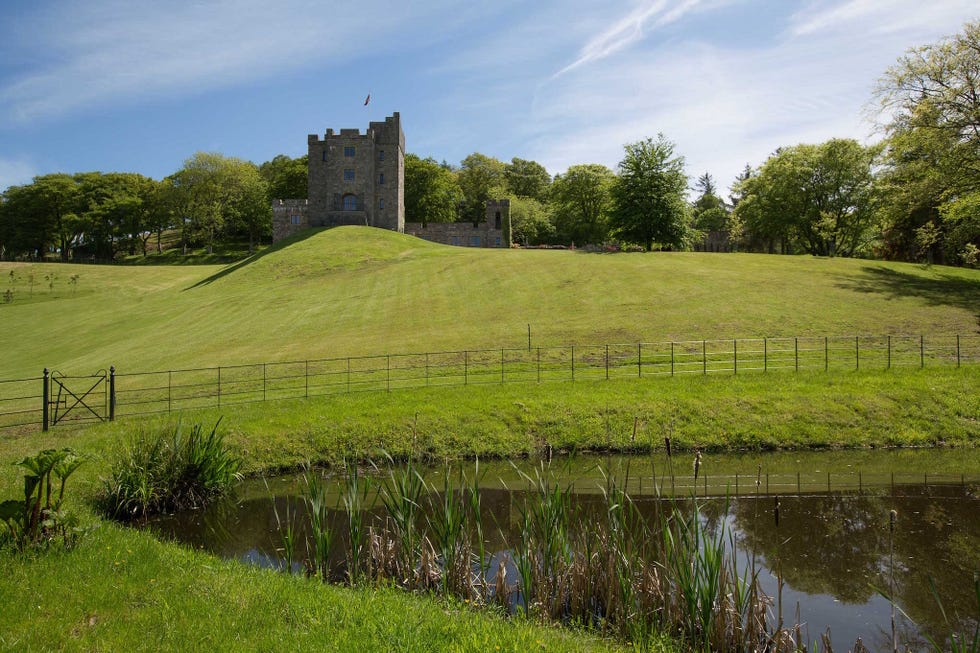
x: 141, y: 85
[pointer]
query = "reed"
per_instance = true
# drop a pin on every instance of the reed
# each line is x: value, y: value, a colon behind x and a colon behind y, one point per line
x: 164, y: 471
x: 320, y: 541
x: 605, y: 566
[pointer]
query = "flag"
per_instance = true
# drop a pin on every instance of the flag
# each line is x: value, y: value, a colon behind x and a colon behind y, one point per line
x: 367, y: 99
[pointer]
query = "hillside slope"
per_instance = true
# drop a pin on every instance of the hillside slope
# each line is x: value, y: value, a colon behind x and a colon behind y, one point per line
x: 356, y: 290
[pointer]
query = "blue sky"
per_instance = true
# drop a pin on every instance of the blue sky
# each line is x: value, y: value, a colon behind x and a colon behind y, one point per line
x: 140, y: 85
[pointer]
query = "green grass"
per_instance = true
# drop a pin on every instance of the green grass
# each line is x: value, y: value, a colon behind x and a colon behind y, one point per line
x: 355, y: 291
x: 141, y: 594
x: 352, y: 291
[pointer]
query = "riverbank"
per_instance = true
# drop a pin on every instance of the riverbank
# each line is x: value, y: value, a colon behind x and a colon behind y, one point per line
x: 142, y: 593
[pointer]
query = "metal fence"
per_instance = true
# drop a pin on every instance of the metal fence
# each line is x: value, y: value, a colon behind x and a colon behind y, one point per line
x: 30, y: 401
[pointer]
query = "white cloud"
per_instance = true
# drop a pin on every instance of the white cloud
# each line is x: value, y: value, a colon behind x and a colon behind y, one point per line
x: 725, y: 106
x: 627, y: 30
x: 119, y: 50
x: 861, y: 17
x: 15, y: 173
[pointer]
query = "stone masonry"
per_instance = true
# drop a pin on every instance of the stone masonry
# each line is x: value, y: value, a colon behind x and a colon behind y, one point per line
x: 359, y: 179
x: 492, y: 232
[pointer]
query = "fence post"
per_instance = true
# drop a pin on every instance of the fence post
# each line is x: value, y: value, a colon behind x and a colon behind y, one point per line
x: 607, y: 362
x: 704, y: 357
x: 796, y: 354
x: 857, y: 354
x: 889, y: 352
x: 765, y: 354
x: 348, y: 375
x: 672, y: 358
x: 735, y: 355
x: 573, y: 362
x: 426, y: 368
x: 387, y: 372
x: 45, y: 398
x: 263, y: 382
x: 501, y: 364
x: 639, y: 359
x: 170, y: 391
x: 957, y: 350
x: 219, y: 386
x: 306, y: 377
x: 466, y: 367
x: 922, y: 350
x: 529, y: 338
x: 539, y: 364
x: 826, y: 353
x: 112, y: 393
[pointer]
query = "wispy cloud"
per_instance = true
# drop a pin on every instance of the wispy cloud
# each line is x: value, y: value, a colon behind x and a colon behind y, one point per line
x: 726, y: 106
x: 880, y: 16
x: 627, y: 30
x: 123, y: 50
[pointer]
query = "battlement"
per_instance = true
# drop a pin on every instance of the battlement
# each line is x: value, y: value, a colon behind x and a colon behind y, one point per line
x: 288, y: 204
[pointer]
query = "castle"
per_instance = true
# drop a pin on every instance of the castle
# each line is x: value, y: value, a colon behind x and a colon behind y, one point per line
x: 359, y: 179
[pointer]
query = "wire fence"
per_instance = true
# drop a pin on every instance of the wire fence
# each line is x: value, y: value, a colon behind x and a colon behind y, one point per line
x: 43, y: 401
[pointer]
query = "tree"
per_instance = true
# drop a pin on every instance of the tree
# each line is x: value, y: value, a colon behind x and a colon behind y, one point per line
x: 581, y: 202
x: 527, y: 179
x: 432, y: 193
x: 530, y: 221
x: 480, y: 177
x: 648, y: 197
x: 286, y: 178
x: 708, y: 213
x: 214, y: 193
x: 933, y: 157
x: 816, y: 197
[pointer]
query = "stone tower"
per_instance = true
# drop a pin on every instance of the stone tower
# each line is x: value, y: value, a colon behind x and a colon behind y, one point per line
x: 357, y: 178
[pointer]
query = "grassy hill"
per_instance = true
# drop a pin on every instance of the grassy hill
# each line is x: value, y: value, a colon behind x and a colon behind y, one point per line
x: 355, y: 290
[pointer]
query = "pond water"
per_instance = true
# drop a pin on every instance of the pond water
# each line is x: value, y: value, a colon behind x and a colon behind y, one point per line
x: 832, y: 546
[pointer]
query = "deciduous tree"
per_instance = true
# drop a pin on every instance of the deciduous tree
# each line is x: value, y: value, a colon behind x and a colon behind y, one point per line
x: 648, y: 197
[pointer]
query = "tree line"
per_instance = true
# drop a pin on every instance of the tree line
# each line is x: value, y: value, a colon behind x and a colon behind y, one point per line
x: 913, y: 196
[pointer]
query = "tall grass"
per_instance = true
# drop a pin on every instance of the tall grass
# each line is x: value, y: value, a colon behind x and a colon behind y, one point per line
x: 165, y: 470
x: 615, y: 569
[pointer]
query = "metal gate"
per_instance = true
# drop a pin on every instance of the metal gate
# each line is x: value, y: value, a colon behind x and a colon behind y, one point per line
x: 76, y: 397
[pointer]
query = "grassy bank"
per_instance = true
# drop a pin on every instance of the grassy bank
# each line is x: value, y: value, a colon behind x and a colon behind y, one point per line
x: 168, y: 598
x: 354, y: 291
x: 141, y: 594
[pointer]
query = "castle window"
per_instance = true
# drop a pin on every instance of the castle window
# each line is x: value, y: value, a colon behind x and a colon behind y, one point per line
x: 496, y: 220
x: 455, y: 240
x: 381, y: 178
x: 324, y: 155
x: 474, y: 241
x: 348, y: 174
x: 349, y: 151
x: 381, y: 203
x: 497, y: 242
x: 350, y: 202
x: 381, y: 155
x: 296, y: 219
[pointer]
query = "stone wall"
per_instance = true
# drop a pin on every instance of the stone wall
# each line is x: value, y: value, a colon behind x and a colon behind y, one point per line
x: 494, y: 231
x: 289, y: 217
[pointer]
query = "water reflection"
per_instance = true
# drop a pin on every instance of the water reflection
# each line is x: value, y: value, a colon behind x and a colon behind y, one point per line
x: 828, y: 556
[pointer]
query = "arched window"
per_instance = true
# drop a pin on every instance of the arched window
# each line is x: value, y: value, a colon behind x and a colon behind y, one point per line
x: 350, y: 202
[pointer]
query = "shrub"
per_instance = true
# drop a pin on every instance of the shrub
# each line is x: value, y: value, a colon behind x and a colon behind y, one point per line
x: 165, y: 471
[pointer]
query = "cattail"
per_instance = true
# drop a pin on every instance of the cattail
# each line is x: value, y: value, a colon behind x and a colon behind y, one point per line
x: 667, y: 442
x: 697, y: 463
x: 776, y: 512
x: 758, y: 479
x: 892, y: 518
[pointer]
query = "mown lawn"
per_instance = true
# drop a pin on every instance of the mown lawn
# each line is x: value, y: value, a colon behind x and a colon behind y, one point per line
x: 355, y: 291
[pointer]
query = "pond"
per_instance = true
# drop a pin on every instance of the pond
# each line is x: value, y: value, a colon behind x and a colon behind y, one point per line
x: 814, y: 528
